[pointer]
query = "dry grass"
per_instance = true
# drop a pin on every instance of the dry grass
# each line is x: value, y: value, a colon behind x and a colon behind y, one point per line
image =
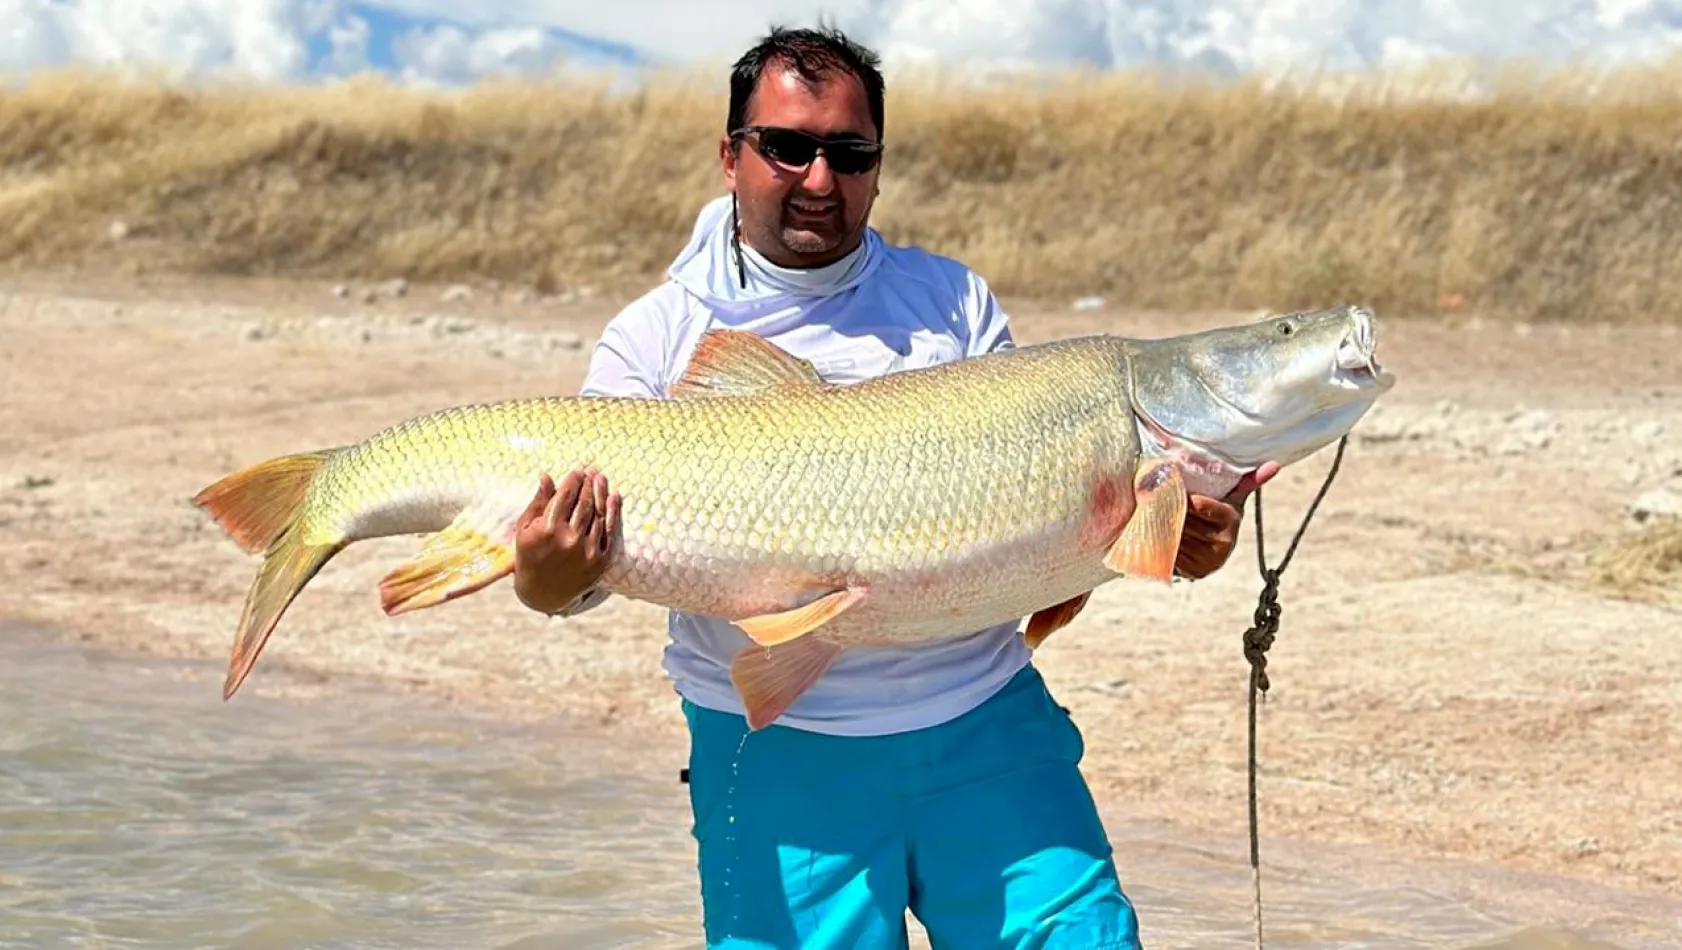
x: 1545, y: 200
x: 1645, y: 565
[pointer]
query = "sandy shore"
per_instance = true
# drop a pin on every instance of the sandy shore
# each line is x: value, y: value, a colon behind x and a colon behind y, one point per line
x: 1446, y: 682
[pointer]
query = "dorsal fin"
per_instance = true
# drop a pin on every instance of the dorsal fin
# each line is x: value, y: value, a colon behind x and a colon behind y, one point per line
x: 736, y: 362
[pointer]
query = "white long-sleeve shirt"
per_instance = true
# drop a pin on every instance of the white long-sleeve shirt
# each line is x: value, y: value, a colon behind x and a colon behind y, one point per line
x: 880, y: 310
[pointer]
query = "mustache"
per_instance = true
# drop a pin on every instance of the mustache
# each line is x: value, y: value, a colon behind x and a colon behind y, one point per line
x: 830, y: 204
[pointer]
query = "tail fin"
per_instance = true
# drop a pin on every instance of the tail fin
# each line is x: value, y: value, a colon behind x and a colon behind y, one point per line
x: 261, y: 508
x: 287, y: 567
x: 254, y: 505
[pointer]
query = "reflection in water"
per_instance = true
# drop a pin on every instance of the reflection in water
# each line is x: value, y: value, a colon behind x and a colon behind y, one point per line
x: 139, y: 811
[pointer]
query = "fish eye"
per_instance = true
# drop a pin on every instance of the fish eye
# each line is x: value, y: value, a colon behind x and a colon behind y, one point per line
x: 1287, y: 328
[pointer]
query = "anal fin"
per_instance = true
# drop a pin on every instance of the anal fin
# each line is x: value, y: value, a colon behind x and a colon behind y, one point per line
x: 770, y: 679
x: 1048, y: 621
x: 769, y: 630
x: 473, y: 552
x: 1150, y: 542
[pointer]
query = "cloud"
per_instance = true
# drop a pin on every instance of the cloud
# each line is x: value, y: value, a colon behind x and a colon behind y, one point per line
x: 262, y: 38
x: 449, y: 54
x: 666, y: 29
x: 1244, y: 35
x: 285, y: 40
x: 445, y: 42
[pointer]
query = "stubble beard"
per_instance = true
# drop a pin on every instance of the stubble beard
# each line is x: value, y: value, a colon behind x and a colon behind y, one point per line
x: 812, y: 239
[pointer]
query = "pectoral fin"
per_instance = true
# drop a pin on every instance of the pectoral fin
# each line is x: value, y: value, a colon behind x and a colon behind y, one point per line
x: 770, y: 679
x: 475, y: 551
x: 769, y: 630
x: 1048, y: 621
x: 1150, y: 543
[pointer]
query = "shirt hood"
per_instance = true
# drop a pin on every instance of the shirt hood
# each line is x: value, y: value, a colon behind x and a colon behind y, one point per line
x: 706, y: 267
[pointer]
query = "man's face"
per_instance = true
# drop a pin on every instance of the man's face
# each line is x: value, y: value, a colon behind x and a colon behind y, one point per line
x: 810, y: 216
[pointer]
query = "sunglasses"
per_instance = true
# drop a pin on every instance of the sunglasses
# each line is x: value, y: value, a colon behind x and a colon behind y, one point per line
x: 794, y: 149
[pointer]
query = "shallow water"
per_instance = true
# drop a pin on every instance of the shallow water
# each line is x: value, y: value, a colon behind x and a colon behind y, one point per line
x: 137, y: 810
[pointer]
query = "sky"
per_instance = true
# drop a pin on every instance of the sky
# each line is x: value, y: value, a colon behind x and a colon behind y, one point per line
x: 446, y: 42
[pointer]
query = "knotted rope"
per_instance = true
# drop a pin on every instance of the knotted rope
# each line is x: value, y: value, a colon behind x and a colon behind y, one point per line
x: 1259, y: 638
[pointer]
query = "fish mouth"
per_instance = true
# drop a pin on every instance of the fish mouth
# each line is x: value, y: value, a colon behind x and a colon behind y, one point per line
x: 1357, y: 354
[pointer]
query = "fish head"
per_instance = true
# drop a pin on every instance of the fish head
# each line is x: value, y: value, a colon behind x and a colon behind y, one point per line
x: 1278, y: 389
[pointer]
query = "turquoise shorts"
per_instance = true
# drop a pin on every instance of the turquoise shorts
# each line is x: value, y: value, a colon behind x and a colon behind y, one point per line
x: 983, y: 827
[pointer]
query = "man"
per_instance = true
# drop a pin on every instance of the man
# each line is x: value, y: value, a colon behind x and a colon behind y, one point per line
x: 943, y: 779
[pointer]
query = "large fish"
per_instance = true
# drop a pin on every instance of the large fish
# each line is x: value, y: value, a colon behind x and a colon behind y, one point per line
x: 921, y: 505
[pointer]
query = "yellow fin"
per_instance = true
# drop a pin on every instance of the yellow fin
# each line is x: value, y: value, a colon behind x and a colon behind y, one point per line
x: 736, y: 362
x: 1150, y: 543
x: 287, y: 567
x: 770, y: 679
x: 769, y: 630
x: 1048, y: 621
x: 262, y: 508
x: 459, y: 560
x: 256, y: 504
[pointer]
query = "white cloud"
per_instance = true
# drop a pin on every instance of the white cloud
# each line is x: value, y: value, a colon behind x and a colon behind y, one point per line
x: 443, y: 41
x: 671, y: 29
x: 348, y: 45
x: 449, y: 55
x: 1240, y: 35
x: 263, y: 38
x: 277, y: 39
x: 1229, y: 34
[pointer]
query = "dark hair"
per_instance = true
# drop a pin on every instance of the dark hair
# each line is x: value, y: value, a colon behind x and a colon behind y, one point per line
x: 812, y: 53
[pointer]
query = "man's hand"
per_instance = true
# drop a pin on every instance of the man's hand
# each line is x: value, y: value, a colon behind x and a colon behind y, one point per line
x: 1211, y: 530
x: 562, y: 540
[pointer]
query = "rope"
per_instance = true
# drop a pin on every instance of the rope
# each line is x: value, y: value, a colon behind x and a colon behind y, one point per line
x: 1258, y: 639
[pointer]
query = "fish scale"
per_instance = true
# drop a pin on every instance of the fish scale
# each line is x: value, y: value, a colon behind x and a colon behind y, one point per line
x: 918, y: 506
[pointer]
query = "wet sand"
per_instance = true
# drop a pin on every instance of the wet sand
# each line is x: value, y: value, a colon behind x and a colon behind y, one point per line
x: 1446, y: 684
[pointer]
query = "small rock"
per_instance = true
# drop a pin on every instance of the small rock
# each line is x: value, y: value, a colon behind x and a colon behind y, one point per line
x: 1656, y: 504
x: 118, y: 230
x: 568, y: 340
x: 1584, y: 847
x: 394, y: 288
x: 1536, y: 420
x: 1090, y: 302
x: 456, y: 292
x: 1647, y: 433
x: 258, y: 331
x: 341, y: 291
x: 443, y: 325
x: 1433, y: 426
x: 370, y: 295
